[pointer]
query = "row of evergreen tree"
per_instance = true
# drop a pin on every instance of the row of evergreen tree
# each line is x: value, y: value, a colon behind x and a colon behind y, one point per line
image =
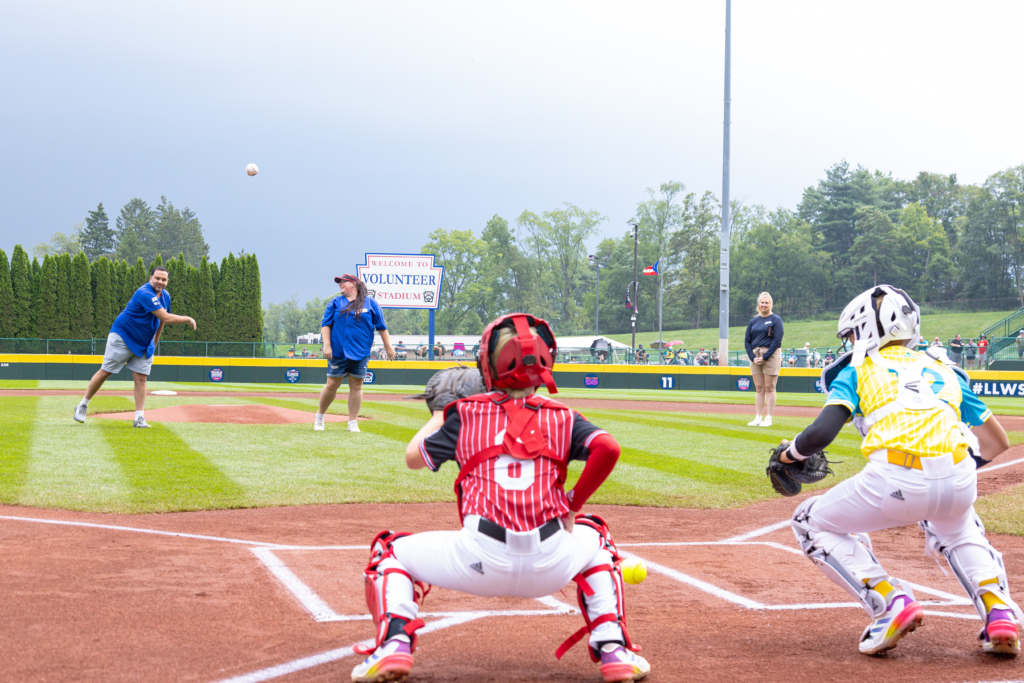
x: 67, y: 297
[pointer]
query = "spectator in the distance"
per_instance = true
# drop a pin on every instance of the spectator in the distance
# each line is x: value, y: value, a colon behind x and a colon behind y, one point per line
x: 937, y: 342
x: 829, y: 357
x: 816, y: 359
x: 956, y: 350
x: 763, y: 341
x: 792, y: 358
x: 641, y: 355
x: 970, y: 352
x: 983, y: 353
x: 1020, y: 345
x: 714, y: 355
x: 921, y: 345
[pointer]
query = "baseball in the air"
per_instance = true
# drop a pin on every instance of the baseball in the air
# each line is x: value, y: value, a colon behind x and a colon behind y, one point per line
x: 251, y: 169
x: 633, y: 570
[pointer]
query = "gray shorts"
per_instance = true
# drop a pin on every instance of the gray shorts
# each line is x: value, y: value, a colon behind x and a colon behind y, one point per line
x: 118, y: 355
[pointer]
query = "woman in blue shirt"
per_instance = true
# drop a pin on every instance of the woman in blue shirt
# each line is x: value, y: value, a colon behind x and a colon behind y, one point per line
x: 763, y: 339
x: 347, y: 330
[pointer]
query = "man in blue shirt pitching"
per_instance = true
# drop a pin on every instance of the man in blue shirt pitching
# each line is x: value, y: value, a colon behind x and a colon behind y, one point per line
x: 132, y: 341
x: 347, y: 330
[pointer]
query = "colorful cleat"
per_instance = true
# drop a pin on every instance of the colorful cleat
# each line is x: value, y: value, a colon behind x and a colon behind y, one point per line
x: 902, y: 616
x: 392, y: 661
x: 619, y: 664
x: 1000, y: 635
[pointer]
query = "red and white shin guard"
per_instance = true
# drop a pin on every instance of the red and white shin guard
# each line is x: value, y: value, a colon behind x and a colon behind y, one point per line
x: 600, y: 595
x: 391, y: 592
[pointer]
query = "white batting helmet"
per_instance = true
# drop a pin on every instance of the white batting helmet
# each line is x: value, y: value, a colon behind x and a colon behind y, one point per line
x: 878, y: 316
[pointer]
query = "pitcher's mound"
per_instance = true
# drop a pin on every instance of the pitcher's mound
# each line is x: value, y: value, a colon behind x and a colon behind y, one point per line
x: 253, y: 414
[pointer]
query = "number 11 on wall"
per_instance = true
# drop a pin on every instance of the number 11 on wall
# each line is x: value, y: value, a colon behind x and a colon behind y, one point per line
x: 667, y: 381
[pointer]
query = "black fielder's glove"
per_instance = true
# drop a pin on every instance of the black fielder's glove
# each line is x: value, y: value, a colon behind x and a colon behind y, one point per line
x: 788, y: 478
x: 451, y: 384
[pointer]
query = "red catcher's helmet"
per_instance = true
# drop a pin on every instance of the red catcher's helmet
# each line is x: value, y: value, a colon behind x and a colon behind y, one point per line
x: 525, y: 361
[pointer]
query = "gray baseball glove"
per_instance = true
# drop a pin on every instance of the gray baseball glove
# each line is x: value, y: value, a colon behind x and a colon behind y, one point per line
x: 788, y: 478
x: 451, y: 384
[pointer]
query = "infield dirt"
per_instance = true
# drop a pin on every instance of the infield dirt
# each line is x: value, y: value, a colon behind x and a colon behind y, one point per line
x: 87, y: 603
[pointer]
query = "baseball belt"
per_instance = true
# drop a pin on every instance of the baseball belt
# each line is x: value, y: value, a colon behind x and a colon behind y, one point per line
x: 489, y: 528
x: 914, y: 461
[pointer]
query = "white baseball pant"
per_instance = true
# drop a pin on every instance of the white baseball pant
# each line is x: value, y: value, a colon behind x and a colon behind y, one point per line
x: 523, y: 566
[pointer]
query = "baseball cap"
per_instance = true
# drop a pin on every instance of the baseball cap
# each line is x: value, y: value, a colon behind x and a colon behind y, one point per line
x: 346, y: 277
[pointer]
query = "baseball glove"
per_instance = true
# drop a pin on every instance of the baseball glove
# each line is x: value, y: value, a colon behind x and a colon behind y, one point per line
x: 451, y: 384
x: 788, y: 478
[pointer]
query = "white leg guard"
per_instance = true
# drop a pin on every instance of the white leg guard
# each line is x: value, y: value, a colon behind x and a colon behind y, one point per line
x: 846, y: 559
x: 973, y: 560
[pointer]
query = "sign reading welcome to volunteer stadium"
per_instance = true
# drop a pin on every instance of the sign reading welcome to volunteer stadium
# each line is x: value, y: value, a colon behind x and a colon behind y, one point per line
x: 402, y: 280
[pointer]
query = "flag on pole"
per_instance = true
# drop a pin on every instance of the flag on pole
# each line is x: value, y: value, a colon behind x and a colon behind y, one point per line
x: 652, y: 270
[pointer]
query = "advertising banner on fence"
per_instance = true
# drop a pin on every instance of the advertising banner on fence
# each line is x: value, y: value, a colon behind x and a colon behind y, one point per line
x: 402, y: 280
x: 997, y: 388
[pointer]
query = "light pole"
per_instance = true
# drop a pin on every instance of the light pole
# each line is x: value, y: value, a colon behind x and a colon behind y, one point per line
x: 596, y: 260
x: 636, y: 284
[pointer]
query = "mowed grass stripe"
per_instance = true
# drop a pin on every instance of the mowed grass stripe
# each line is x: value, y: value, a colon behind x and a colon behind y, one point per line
x: 19, y: 415
x: 165, y: 473
x: 70, y: 465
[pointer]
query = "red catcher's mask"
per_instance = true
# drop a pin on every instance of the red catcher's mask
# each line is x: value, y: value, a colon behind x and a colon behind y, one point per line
x: 525, y: 360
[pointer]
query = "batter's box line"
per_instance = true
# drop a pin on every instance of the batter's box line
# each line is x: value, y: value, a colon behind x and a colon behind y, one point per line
x: 322, y: 612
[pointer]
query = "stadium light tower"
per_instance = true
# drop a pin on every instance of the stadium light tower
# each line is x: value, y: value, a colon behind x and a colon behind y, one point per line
x: 723, y: 304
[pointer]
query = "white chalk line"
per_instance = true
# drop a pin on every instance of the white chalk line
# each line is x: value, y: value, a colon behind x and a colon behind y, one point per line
x: 989, y: 468
x: 334, y: 655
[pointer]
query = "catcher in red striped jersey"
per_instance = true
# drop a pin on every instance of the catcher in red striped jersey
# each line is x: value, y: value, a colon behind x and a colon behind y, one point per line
x: 521, y: 535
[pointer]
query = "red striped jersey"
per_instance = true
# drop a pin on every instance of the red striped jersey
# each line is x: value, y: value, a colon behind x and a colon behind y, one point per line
x: 519, y: 495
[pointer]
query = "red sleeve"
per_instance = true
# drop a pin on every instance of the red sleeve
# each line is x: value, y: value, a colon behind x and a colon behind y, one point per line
x: 604, y: 453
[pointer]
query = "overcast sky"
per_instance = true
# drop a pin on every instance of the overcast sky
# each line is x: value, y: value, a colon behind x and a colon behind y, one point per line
x: 374, y: 123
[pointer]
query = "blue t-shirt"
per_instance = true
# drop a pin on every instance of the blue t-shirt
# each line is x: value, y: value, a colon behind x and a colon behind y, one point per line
x: 136, y: 324
x: 352, y: 338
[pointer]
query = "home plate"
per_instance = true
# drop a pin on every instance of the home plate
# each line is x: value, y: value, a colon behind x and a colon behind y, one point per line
x: 228, y: 414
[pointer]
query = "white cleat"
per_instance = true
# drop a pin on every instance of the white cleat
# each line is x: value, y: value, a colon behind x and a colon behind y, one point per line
x: 901, y: 616
x: 756, y: 422
x: 353, y: 426
x: 80, y: 411
x: 619, y: 664
x: 141, y: 423
x: 766, y: 422
x: 318, y: 425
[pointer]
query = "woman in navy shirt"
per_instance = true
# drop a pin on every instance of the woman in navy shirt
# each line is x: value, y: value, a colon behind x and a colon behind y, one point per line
x: 763, y: 339
x: 347, y: 330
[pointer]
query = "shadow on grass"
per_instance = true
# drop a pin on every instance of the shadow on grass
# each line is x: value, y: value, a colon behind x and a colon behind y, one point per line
x: 165, y: 473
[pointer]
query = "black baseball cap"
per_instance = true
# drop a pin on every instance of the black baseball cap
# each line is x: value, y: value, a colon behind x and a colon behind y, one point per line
x: 346, y: 277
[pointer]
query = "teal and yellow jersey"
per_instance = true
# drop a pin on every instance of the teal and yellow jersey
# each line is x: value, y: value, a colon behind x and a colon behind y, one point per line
x: 924, y: 433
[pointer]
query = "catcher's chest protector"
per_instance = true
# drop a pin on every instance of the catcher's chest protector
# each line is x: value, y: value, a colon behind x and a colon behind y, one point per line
x: 492, y: 426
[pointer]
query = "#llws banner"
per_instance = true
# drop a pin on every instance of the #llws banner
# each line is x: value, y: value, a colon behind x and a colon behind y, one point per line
x: 998, y: 388
x: 402, y: 280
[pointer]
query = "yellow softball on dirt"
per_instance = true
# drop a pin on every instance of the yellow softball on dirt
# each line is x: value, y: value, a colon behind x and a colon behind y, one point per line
x: 633, y: 570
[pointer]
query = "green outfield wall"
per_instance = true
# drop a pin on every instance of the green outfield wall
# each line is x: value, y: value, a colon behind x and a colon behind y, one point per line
x: 314, y: 372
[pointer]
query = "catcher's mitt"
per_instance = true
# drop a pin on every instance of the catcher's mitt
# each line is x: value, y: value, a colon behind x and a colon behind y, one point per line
x: 451, y: 384
x: 788, y: 478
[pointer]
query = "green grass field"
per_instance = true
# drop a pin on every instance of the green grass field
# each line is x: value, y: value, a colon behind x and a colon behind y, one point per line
x: 822, y: 333
x: 668, y: 459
